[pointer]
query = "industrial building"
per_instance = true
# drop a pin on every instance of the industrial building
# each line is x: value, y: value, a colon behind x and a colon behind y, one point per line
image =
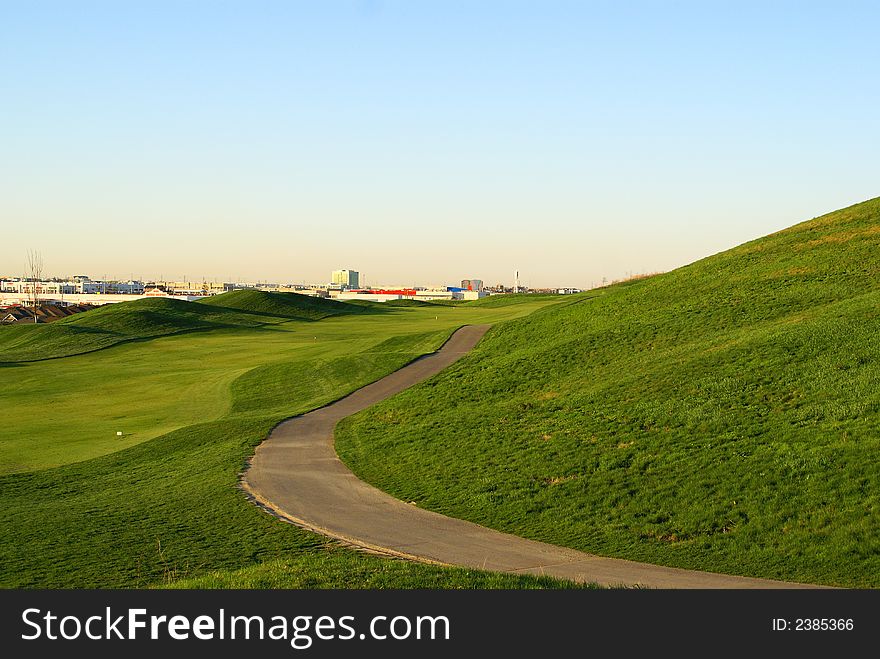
x: 78, y: 285
x: 77, y: 291
x: 472, y: 284
x: 421, y: 294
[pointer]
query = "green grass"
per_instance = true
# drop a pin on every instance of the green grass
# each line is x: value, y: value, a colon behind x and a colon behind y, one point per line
x: 724, y: 416
x: 334, y: 568
x: 408, y: 303
x: 81, y: 508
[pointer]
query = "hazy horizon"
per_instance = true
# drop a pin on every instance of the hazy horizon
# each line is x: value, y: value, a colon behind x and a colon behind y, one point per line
x: 425, y: 143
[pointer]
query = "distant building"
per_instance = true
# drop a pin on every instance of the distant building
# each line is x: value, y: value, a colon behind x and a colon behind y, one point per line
x: 472, y: 284
x: 189, y: 287
x: 372, y: 296
x: 78, y: 285
x: 346, y: 278
x: 130, y: 287
x: 471, y: 295
x: 420, y: 294
x: 435, y: 294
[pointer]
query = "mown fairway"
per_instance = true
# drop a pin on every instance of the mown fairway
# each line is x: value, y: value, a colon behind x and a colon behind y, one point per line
x: 724, y: 416
x: 80, y: 507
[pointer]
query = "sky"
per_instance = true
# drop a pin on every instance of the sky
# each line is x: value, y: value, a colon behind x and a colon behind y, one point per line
x: 425, y: 142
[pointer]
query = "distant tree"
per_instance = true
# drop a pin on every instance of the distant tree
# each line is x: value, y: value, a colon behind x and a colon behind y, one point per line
x: 33, y: 274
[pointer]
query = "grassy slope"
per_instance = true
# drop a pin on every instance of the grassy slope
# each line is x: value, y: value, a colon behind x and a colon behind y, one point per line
x: 149, y: 318
x: 509, y: 298
x: 281, y: 305
x: 724, y: 416
x: 168, y: 509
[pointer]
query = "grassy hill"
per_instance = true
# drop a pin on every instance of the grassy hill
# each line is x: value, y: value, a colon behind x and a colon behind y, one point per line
x: 724, y: 416
x: 150, y: 318
x: 280, y: 305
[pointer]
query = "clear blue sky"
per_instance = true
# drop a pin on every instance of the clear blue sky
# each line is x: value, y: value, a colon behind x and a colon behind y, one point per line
x: 424, y: 142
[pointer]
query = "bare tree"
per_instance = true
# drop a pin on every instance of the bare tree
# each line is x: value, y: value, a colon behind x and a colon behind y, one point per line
x: 34, y: 274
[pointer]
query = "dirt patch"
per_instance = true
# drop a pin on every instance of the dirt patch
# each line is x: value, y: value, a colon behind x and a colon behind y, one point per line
x: 840, y: 238
x: 556, y: 480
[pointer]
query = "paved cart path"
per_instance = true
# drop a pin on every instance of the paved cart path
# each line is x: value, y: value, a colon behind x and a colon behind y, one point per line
x: 297, y: 475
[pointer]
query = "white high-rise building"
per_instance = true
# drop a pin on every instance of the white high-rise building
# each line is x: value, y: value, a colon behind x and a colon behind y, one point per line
x: 346, y: 278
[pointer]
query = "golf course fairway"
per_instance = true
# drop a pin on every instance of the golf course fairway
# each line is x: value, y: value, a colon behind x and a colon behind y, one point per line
x: 193, y: 387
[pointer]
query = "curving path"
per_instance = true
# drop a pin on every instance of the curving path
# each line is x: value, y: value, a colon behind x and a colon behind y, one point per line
x: 297, y: 475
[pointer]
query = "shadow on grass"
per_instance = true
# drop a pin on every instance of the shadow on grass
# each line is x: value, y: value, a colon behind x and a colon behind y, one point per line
x: 367, y: 307
x: 80, y: 329
x: 216, y: 308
